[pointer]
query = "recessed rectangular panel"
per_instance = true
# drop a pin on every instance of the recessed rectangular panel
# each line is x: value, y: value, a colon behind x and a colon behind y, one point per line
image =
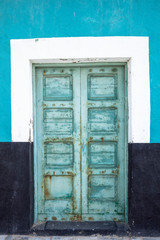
x: 102, y: 207
x: 102, y: 187
x: 58, y: 121
x: 102, y: 87
x: 102, y: 120
x: 59, y: 206
x: 58, y: 113
x: 58, y: 128
x: 102, y: 153
x: 59, y: 154
x: 58, y: 87
x: 58, y: 187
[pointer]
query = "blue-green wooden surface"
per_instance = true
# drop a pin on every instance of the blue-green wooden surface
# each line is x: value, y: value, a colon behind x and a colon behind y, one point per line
x: 80, y: 143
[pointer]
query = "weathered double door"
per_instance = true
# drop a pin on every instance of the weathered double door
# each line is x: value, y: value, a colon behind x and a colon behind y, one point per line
x: 80, y: 143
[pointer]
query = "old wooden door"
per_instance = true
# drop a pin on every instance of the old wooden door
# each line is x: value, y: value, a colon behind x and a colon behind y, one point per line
x: 80, y: 143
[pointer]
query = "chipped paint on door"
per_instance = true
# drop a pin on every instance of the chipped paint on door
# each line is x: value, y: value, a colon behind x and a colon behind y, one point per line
x: 80, y: 143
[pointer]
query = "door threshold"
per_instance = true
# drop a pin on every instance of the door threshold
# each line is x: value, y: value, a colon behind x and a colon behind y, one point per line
x: 80, y: 228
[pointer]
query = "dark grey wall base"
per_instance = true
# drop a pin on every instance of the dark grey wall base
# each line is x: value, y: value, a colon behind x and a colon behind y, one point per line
x: 15, y: 196
x: 144, y: 186
x: 16, y: 190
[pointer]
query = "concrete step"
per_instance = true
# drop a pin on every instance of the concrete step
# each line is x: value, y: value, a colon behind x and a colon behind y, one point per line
x: 97, y: 237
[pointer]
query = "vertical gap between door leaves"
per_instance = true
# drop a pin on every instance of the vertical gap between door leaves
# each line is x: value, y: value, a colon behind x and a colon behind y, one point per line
x: 80, y: 148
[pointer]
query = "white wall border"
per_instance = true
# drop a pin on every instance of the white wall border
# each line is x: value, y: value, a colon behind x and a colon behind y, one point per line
x: 133, y: 50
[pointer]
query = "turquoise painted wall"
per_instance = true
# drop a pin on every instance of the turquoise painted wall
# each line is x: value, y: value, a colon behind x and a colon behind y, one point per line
x: 68, y: 18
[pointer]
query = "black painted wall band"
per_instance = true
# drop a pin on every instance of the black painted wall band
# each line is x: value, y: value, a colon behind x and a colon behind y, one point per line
x: 17, y: 189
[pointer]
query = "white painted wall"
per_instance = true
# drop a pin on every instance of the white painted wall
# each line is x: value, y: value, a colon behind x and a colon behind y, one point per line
x: 133, y: 50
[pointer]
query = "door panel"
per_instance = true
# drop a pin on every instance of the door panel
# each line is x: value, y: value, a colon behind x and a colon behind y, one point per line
x: 80, y: 143
x: 102, y: 112
x: 58, y: 143
x: 102, y: 86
